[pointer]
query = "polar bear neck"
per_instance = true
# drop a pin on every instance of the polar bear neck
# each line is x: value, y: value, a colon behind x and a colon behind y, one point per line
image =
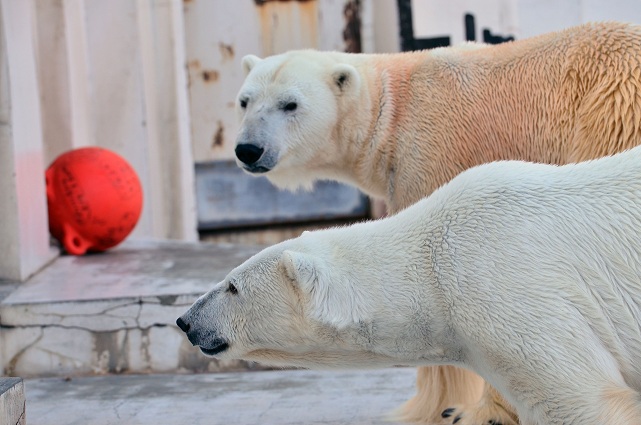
x: 405, y: 153
x: 398, y: 286
x: 374, y: 144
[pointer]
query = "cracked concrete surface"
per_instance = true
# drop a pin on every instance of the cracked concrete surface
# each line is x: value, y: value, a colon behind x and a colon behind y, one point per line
x: 113, y: 312
x: 293, y: 397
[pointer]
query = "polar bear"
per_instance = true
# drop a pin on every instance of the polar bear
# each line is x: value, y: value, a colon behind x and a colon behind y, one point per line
x: 526, y: 273
x: 400, y: 125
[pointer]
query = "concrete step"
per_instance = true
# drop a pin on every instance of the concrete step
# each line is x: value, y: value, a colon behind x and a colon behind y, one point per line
x: 12, y: 401
x: 292, y: 397
x: 113, y: 312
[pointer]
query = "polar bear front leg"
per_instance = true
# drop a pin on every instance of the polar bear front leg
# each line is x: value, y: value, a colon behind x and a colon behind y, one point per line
x: 492, y: 409
x: 437, y: 388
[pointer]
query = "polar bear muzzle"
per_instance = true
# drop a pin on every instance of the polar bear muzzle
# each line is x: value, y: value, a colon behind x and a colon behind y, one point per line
x: 211, y: 348
x: 219, y: 345
x: 248, y: 153
x: 254, y: 159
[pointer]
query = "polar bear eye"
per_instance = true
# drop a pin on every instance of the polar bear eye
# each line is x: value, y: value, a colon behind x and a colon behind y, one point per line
x: 290, y: 106
x: 243, y: 103
x: 232, y: 289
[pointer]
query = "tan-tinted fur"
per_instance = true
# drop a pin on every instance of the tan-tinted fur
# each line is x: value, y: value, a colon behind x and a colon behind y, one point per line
x: 557, y: 98
x: 624, y: 404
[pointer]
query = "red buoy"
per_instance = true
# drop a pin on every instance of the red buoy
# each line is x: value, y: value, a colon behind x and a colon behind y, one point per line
x: 94, y: 198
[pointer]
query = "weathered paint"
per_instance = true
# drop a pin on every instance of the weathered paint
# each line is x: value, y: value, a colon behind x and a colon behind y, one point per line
x: 226, y: 51
x: 210, y: 75
x: 288, y: 25
x: 219, y: 33
x: 352, y: 31
x: 219, y: 135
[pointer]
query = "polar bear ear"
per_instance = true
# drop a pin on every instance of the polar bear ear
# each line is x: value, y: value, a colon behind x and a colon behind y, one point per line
x: 298, y: 267
x: 333, y: 299
x: 249, y: 62
x: 345, y: 78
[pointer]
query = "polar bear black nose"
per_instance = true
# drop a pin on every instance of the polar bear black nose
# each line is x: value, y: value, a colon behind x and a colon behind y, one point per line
x: 248, y: 153
x: 182, y: 325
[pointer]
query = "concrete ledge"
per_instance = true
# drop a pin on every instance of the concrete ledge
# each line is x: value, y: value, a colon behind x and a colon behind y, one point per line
x: 294, y: 397
x: 12, y: 401
x: 114, y: 312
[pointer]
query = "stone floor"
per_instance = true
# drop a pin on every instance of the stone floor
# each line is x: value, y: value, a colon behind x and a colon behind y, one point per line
x: 243, y: 398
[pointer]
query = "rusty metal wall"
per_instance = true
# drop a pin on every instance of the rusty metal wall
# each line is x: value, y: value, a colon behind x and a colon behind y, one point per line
x: 219, y: 33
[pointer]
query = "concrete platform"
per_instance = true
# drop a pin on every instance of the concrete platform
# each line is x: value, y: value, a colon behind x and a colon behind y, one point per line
x: 12, y: 401
x: 275, y: 397
x: 113, y: 312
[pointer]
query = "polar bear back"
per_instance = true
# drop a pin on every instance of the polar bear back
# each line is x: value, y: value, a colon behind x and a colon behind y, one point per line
x: 545, y: 235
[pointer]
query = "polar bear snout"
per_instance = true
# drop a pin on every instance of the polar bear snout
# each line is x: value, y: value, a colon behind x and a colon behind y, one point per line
x: 186, y: 327
x: 255, y: 159
x: 249, y: 153
x: 208, y: 343
x: 183, y: 325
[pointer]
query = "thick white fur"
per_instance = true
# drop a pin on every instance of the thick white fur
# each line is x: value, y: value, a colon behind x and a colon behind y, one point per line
x: 528, y: 274
x: 415, y: 120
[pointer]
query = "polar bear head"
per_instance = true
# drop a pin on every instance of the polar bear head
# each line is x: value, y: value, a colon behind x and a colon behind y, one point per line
x: 290, y: 106
x: 281, y: 306
x: 318, y: 301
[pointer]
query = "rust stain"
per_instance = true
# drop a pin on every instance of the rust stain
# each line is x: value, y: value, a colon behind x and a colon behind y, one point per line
x: 226, y: 51
x: 192, y: 65
x: 210, y: 75
x: 219, y: 136
x: 309, y: 23
x: 287, y: 25
x: 110, y: 350
x: 352, y: 30
x: 267, y: 29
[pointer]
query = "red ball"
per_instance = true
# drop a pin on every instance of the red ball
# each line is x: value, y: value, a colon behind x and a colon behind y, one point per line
x: 94, y: 198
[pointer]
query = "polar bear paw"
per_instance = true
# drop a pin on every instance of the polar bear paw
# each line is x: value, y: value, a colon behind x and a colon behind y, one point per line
x: 479, y: 414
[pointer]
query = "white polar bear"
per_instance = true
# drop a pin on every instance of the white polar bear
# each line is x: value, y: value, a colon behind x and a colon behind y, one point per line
x: 398, y: 126
x: 528, y: 274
